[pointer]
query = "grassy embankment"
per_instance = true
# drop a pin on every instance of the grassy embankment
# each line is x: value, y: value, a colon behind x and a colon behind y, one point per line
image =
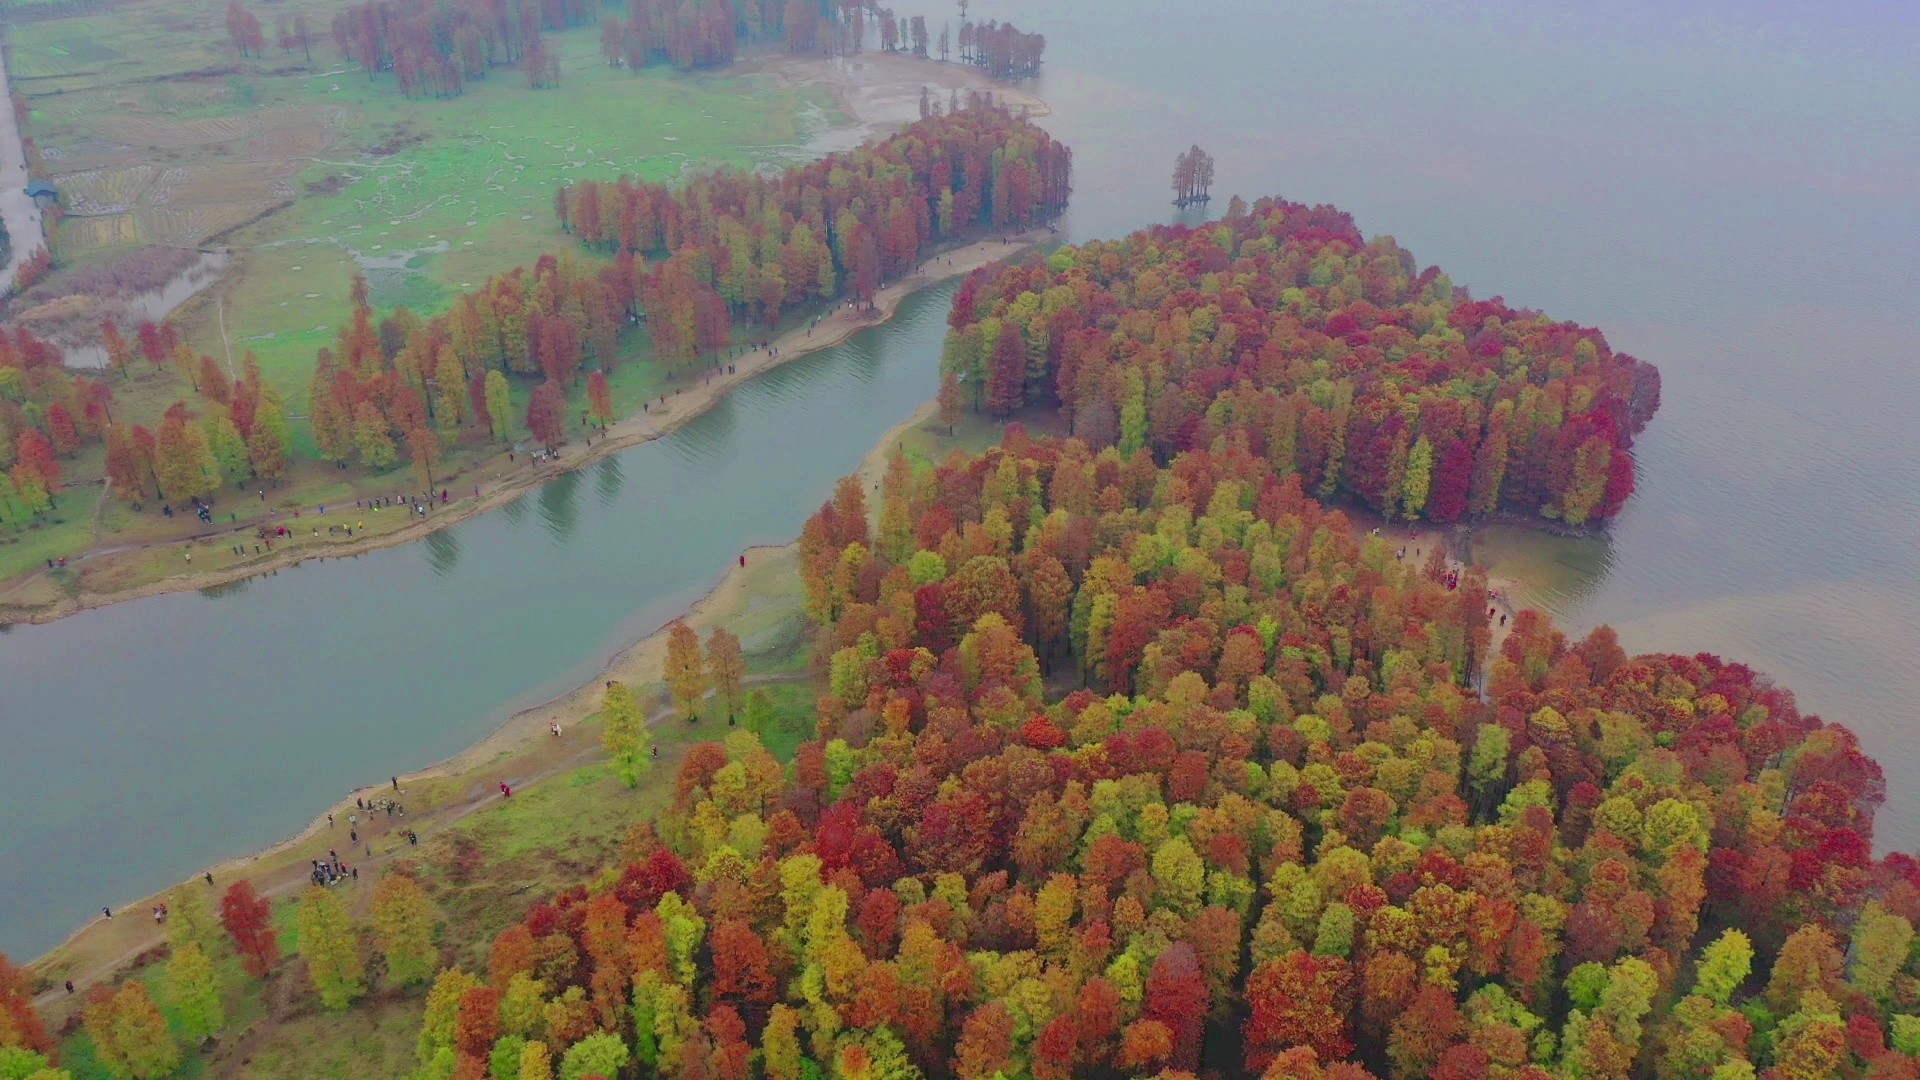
x: 160, y: 135
x: 486, y: 859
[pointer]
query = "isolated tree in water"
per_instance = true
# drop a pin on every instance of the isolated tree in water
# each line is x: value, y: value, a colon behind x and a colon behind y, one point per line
x: 623, y: 730
x: 331, y: 948
x: 195, y: 992
x: 728, y: 666
x: 248, y: 918
x: 686, y: 668
x: 129, y: 1034
x: 1192, y: 177
x: 403, y: 920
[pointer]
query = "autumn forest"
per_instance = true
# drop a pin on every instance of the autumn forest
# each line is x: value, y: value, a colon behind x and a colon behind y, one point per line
x: 1132, y: 747
x: 1285, y: 332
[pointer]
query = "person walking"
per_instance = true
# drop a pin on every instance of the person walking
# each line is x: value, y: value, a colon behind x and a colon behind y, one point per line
x: 107, y: 911
x: 209, y: 877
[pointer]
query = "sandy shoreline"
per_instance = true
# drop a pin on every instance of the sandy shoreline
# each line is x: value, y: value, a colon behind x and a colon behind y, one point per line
x: 520, y: 750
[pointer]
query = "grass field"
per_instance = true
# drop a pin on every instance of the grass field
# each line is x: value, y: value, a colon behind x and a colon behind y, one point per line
x: 158, y: 133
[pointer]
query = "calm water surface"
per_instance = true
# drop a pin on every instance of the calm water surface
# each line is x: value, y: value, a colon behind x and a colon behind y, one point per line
x: 148, y: 739
x: 1729, y: 190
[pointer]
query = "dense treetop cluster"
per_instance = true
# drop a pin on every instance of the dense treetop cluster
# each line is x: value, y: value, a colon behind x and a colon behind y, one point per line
x: 46, y: 413
x: 1287, y: 811
x: 689, y: 261
x: 1005, y: 51
x: 763, y: 244
x: 1328, y: 354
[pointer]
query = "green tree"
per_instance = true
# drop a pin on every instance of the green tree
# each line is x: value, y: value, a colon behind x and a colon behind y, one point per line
x: 403, y: 922
x: 228, y: 448
x: 1724, y: 966
x: 599, y: 1054
x: 331, y: 948
x: 195, y: 991
x: 759, y: 717
x: 1487, y: 767
x: 500, y: 406
x: 625, y: 734
x: 20, y: 1063
x: 191, y: 921
x: 504, y: 1062
x: 1881, y: 944
x: 1419, y: 478
x: 1133, y: 413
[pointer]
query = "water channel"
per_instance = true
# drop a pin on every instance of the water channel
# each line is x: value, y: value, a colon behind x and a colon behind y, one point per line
x: 147, y: 739
x: 1730, y: 190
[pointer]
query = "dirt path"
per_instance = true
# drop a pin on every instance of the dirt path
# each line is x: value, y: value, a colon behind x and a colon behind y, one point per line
x: 20, y: 212
x: 500, y: 481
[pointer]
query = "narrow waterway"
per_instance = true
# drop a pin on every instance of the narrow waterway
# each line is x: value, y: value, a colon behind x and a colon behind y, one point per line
x: 148, y: 739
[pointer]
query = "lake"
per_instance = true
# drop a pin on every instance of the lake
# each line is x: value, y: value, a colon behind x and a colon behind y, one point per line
x: 1731, y: 191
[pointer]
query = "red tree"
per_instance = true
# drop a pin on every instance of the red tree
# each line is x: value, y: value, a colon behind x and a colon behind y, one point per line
x: 248, y: 918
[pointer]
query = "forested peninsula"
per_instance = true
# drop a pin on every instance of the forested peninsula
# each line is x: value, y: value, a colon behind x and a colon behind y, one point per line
x: 1284, y: 331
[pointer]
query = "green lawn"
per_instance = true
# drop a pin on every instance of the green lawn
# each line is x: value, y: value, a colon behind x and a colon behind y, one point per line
x: 157, y: 127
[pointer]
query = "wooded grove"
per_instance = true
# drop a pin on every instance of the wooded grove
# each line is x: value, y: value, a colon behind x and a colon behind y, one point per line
x: 1283, y: 331
x: 689, y: 262
x: 1303, y: 821
x: 46, y: 413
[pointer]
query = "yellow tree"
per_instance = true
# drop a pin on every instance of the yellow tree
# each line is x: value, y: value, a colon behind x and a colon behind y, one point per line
x: 686, y: 668
x: 403, y: 921
x: 191, y: 921
x: 331, y: 948
x: 130, y: 1036
x: 728, y: 665
x: 624, y: 733
x: 195, y: 991
x: 536, y: 1062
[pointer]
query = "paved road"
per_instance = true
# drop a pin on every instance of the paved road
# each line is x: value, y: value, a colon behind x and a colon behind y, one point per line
x: 21, y: 214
